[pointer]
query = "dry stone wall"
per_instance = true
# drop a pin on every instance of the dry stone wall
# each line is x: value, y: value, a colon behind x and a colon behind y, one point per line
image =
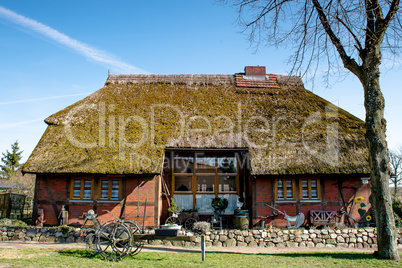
x: 41, y: 235
x: 313, y: 238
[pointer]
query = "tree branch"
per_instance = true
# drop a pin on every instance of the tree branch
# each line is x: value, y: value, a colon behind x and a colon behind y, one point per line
x: 378, y: 26
x: 370, y: 24
x: 360, y: 48
x: 268, y: 8
x: 348, y: 62
x: 377, y: 10
x: 392, y: 11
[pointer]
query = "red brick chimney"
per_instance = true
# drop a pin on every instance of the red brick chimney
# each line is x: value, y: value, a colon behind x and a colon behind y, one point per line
x: 255, y: 70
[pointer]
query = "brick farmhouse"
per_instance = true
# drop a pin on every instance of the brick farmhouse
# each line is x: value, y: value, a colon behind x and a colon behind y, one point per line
x: 144, y: 139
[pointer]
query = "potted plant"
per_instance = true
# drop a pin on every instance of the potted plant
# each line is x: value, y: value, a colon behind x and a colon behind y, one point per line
x: 189, y: 213
x: 174, y: 209
x: 171, y: 226
x: 170, y: 229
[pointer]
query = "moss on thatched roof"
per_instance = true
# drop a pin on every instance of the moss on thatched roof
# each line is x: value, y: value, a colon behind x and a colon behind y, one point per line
x: 125, y: 127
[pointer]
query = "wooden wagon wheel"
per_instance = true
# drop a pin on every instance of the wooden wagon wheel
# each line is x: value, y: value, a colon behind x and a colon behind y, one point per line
x: 114, y: 241
x: 174, y: 220
x: 137, y: 245
x: 189, y: 223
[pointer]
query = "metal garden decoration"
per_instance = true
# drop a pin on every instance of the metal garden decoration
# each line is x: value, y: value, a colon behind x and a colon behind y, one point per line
x: 113, y: 240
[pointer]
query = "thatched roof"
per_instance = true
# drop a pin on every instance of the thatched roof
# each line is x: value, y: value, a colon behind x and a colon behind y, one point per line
x: 125, y: 127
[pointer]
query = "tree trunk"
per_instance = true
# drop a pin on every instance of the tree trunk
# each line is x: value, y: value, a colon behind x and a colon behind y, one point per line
x: 379, y: 163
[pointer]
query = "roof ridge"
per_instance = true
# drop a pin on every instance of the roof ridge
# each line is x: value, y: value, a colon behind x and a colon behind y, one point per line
x: 189, y: 79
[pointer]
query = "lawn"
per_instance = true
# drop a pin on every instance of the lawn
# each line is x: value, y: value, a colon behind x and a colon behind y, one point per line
x: 81, y: 258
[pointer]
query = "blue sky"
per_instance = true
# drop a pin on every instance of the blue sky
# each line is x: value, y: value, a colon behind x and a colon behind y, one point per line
x: 54, y: 53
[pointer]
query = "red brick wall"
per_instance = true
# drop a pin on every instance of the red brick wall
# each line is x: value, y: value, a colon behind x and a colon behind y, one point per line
x: 146, y: 192
x: 141, y: 189
x: 330, y: 199
x: 74, y: 214
x: 59, y: 186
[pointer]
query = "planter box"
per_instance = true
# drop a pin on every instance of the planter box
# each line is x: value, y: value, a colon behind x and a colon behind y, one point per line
x: 171, y: 227
x: 166, y: 232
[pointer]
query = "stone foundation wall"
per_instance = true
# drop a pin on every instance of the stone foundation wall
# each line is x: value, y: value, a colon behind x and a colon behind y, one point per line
x: 346, y: 238
x: 313, y: 238
x: 41, y: 235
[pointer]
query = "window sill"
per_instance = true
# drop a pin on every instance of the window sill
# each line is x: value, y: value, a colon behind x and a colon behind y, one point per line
x: 81, y: 200
x: 285, y: 201
x: 109, y: 201
x: 311, y: 201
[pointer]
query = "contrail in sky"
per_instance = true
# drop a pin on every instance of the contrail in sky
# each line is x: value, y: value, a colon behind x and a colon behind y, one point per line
x: 18, y: 124
x: 44, y: 98
x: 82, y: 48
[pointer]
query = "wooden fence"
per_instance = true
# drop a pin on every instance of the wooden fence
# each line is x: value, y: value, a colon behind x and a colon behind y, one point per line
x: 15, y: 206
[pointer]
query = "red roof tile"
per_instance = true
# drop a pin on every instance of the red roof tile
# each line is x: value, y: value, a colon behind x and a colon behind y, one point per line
x: 267, y: 81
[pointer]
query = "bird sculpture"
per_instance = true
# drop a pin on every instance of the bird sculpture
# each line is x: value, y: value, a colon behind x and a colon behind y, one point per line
x: 238, y: 203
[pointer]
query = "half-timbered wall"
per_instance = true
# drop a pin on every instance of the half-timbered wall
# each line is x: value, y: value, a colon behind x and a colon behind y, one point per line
x: 53, y: 191
x: 329, y: 198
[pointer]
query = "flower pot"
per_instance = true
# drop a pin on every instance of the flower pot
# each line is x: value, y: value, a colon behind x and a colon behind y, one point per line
x: 170, y: 227
x: 166, y: 232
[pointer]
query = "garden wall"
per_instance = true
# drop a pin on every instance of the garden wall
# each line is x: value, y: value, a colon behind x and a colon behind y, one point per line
x: 351, y: 238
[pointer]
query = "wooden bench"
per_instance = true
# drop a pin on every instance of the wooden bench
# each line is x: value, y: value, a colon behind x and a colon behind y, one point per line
x: 323, y: 217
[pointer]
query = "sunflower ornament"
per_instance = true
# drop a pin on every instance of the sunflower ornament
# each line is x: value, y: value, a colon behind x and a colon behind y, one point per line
x: 361, y: 210
x: 359, y: 199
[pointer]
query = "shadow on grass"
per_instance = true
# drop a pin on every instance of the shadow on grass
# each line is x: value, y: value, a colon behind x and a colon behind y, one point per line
x: 78, y: 253
x: 327, y: 255
x: 175, y: 249
x: 82, y: 253
x: 334, y: 255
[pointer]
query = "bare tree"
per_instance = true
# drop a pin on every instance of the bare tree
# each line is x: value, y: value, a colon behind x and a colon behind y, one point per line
x: 352, y: 33
x: 395, y: 159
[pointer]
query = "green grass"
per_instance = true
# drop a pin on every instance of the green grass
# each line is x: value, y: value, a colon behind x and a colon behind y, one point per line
x: 81, y: 258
